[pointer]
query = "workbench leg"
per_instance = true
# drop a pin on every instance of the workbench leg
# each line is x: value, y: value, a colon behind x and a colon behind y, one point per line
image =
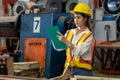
x: 10, y: 67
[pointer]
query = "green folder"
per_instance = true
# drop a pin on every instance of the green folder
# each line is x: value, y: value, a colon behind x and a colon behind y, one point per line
x: 52, y: 31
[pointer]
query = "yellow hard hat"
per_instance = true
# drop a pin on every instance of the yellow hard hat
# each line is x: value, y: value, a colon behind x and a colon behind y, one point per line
x: 82, y: 8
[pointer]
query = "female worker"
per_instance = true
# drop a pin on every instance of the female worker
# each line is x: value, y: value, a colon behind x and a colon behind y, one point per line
x: 79, y: 42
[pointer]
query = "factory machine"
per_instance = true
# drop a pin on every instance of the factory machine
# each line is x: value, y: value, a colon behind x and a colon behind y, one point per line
x: 107, y: 20
x: 36, y: 45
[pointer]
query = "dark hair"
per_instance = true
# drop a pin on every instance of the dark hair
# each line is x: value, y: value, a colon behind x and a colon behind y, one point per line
x: 87, y: 17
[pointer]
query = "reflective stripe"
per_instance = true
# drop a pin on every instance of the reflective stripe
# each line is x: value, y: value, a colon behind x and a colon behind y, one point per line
x: 68, y: 53
x: 77, y: 62
x: 83, y: 38
x: 69, y: 35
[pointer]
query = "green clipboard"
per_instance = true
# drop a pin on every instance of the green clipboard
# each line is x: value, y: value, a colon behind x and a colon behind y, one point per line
x: 52, y: 31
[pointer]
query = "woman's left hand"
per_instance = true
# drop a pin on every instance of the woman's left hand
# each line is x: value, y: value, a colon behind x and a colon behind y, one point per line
x: 61, y: 37
x: 64, y: 40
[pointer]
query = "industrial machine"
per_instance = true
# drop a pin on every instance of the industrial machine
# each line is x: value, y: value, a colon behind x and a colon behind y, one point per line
x: 35, y: 39
x: 112, y: 7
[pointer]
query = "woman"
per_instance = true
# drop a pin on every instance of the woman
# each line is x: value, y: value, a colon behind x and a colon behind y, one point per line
x: 79, y: 42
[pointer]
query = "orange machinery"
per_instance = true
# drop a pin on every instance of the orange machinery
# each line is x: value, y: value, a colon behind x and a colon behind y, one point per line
x: 35, y: 50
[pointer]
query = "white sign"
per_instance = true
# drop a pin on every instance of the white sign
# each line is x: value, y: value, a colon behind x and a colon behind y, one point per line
x: 36, y: 25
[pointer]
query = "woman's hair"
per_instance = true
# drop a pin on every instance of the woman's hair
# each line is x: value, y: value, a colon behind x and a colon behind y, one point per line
x: 87, y: 17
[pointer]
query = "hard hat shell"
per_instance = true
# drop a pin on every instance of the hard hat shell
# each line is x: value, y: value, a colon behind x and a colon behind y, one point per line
x: 82, y: 8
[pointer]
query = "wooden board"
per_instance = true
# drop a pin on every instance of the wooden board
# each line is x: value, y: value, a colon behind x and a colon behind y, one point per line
x: 92, y: 78
x: 35, y: 73
x: 26, y: 65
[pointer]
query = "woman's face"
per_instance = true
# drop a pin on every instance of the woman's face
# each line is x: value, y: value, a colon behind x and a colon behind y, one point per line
x: 79, y: 20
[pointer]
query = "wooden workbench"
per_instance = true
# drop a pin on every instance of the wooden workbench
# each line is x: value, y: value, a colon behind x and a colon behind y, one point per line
x: 108, y: 55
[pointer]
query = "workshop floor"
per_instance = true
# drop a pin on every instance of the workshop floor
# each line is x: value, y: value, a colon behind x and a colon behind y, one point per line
x: 98, y: 74
x: 96, y: 67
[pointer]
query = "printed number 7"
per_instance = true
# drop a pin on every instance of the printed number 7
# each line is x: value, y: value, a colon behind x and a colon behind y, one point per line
x: 37, y: 22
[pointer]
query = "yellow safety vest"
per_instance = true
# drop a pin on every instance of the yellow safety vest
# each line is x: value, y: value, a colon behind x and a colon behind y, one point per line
x: 77, y: 62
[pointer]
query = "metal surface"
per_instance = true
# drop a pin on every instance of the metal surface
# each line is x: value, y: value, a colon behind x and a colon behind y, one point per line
x: 70, y: 5
x: 18, y: 7
x: 40, y: 3
x: 112, y: 7
x: 100, y: 32
x: 35, y: 50
x: 35, y: 26
x: 53, y: 6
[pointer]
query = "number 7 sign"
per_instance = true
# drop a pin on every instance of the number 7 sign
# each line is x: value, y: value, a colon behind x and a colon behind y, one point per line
x: 36, y: 25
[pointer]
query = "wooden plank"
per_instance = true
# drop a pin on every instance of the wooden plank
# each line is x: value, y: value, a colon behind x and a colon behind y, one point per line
x: 92, y: 78
x: 9, y: 63
x: 26, y: 65
x: 109, y: 71
x: 8, y: 19
x: 8, y: 77
x: 2, y: 42
x: 28, y: 73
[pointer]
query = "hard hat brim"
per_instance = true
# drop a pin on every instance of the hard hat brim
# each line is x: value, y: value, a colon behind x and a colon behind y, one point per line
x: 72, y: 12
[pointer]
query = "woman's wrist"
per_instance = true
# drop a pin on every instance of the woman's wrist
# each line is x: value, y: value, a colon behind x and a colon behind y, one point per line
x: 69, y: 44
